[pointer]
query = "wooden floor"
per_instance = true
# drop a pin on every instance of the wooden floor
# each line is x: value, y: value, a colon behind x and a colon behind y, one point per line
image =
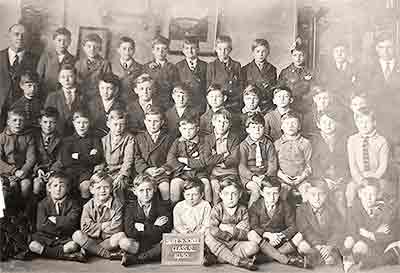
x: 105, y: 266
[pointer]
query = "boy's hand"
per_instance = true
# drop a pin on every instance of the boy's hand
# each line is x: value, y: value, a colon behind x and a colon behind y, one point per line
x: 183, y: 160
x: 274, y: 238
x: 226, y: 227
x: 160, y: 221
x: 19, y: 173
x: 52, y: 219
x: 105, y: 225
x: 151, y: 171
x: 41, y: 173
x: 75, y: 156
x: 384, y: 228
x: 93, y: 152
x: 139, y: 226
x: 258, y: 178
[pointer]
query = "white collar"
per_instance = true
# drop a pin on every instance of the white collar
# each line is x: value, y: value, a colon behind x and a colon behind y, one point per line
x: 12, y: 54
x: 128, y: 62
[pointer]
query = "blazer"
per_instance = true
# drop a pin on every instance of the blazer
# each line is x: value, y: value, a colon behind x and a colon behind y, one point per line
x: 173, y: 119
x: 46, y: 159
x: 136, y: 114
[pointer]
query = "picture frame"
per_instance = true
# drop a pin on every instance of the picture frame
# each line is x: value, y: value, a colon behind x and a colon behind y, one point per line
x: 195, y: 19
x: 104, y: 34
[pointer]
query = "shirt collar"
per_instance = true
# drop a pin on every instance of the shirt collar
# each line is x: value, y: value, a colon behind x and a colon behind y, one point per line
x: 128, y: 62
x: 223, y: 137
x: 286, y: 111
x: 107, y: 104
x: 12, y: 53
x: 155, y: 135
x: 106, y: 204
x: 251, y: 141
x: 391, y: 62
x: 61, y: 201
x: 196, y: 139
x: 286, y: 139
x: 370, y: 135
x: 194, y: 61
x: 144, y: 205
x: 72, y: 90
x: 245, y: 110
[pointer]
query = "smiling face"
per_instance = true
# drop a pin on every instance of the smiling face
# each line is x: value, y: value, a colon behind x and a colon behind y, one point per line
x: 255, y: 131
x: 144, y: 90
x: 15, y: 123
x: 160, y: 52
x: 144, y: 192
x: 102, y: 191
x: 57, y: 188
x: 230, y: 196
x: 17, y: 37
x: 327, y: 125
x: 190, y: 51
x: 81, y: 125
x: 223, y: 49
x: 126, y: 51
x: 251, y: 101
x: 48, y: 125
x: 61, y: 43
x: 193, y: 196
x: 66, y: 78
x: 298, y: 58
x: 107, y: 90
x: 153, y: 123
x: 290, y: 126
x: 260, y: 53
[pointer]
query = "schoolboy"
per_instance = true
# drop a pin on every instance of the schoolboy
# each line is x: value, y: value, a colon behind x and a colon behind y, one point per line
x: 183, y: 106
x: 368, y: 155
x: 320, y: 225
x: 101, y: 221
x: 53, y: 58
x: 48, y: 145
x: 184, y: 159
x: 221, y: 150
x: 193, y: 72
x: 163, y: 72
x: 152, y: 148
x: 192, y: 215
x: 144, y: 89
x: 119, y: 153
x: 298, y: 78
x: 371, y: 230
x: 251, y: 105
x: 273, y: 225
x: 67, y: 99
x: 294, y: 156
x: 30, y: 103
x: 109, y: 99
x: 358, y: 101
x: 91, y: 65
x: 126, y: 67
x: 58, y: 217
x: 282, y: 99
x: 145, y: 220
x: 229, y: 224
x: 258, y: 157
x: 261, y: 73
x: 225, y: 71
x: 216, y: 99
x: 80, y: 153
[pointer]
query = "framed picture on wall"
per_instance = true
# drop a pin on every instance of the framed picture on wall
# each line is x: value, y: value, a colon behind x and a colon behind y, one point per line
x: 104, y: 34
x: 195, y: 19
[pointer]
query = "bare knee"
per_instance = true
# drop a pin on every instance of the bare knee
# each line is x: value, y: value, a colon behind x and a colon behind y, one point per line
x: 164, y: 190
x: 304, y: 247
x: 252, y: 248
x: 254, y: 236
x: 253, y: 187
x: 79, y: 237
x: 116, y: 238
x: 36, y: 247
x: 84, y: 188
x: 206, y: 182
x: 297, y: 238
x: 360, y: 248
x: 71, y: 247
x: 348, y: 242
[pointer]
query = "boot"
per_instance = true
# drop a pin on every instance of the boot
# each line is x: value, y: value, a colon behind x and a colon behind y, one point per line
x: 116, y: 256
x: 247, y: 264
x: 74, y: 257
x: 299, y: 261
x: 129, y: 259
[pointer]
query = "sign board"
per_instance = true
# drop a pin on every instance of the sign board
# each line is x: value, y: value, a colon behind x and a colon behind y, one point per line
x: 182, y: 249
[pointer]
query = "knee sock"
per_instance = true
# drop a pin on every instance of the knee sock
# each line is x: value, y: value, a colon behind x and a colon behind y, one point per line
x: 272, y: 252
x: 94, y: 248
x: 151, y: 254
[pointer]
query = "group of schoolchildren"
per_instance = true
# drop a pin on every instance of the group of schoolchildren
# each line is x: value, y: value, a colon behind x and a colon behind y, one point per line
x: 103, y: 157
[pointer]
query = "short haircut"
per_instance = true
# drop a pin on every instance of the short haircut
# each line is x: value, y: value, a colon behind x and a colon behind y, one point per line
x: 62, y: 31
x: 160, y: 40
x: 255, y: 118
x: 215, y: 87
x: 193, y: 182
x: 142, y: 178
x: 290, y: 115
x: 341, y: 43
x: 183, y: 88
x: 318, y: 182
x: 223, y: 113
x: 366, y: 112
x: 251, y: 89
x: 81, y: 113
x: 110, y: 78
x: 370, y: 181
x: 60, y: 176
x: 16, y: 112
x: 16, y: 24
x: 318, y: 89
x: 154, y: 110
x: 49, y: 112
x: 143, y: 78
x: 100, y: 177
x: 384, y: 36
x: 360, y: 94
x: 224, y: 39
x: 92, y: 37
x: 271, y: 182
x: 191, y: 41
x: 117, y: 114
x: 329, y: 113
x: 69, y: 67
x: 192, y: 118
x: 260, y: 42
x: 298, y: 46
x: 28, y: 76
x: 125, y: 39
x: 285, y: 88
x: 231, y: 180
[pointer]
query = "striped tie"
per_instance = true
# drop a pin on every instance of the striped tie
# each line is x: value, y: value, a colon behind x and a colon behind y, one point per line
x: 365, y: 154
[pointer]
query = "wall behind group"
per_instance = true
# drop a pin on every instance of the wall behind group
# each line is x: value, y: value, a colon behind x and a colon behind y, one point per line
x: 274, y: 20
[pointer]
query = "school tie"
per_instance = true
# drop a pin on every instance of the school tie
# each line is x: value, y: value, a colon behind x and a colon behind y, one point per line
x: 387, y: 71
x: 146, y: 209
x: 260, y: 66
x: 259, y: 160
x: 365, y: 153
x: 58, y: 207
x: 221, y: 145
x: 370, y: 212
x: 271, y: 210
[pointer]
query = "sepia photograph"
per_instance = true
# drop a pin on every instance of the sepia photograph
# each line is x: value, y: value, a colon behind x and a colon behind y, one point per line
x: 199, y: 136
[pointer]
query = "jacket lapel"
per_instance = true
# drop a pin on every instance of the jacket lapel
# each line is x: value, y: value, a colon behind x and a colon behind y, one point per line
x: 53, y: 144
x: 118, y: 145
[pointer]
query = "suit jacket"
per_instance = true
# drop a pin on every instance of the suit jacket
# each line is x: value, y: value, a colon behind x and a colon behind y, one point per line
x: 152, y: 234
x: 150, y: 154
x: 264, y: 79
x: 316, y: 233
x: 273, y: 124
x: 46, y: 159
x: 283, y: 220
x: 173, y: 118
x: 196, y: 79
x: 136, y: 114
x: 49, y: 67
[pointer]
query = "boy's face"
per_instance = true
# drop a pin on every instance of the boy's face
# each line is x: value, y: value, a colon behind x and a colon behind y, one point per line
x: 327, y: 125
x: 230, y: 196
x: 16, y: 123
x: 190, y: 51
x: 188, y: 130
x: 153, y: 123
x: 144, y: 192
x: 81, y: 125
x: 144, y: 91
x: 126, y: 51
x: 255, y: 131
x: 61, y: 43
x: 180, y: 98
x: 193, y: 196
x: 160, y: 52
x: 67, y: 78
x: 270, y: 194
x: 357, y: 103
x: 316, y: 197
x: 57, y: 189
x: 282, y: 99
x: 365, y: 124
x: 117, y: 126
x: 92, y: 49
x: 251, y: 101
x: 221, y: 124
x: 339, y: 54
x: 260, y: 53
x: 107, y: 90
x: 48, y: 125
x: 322, y: 100
x: 368, y: 196
x: 290, y: 126
x: 29, y: 88
x: 101, y: 191
x: 223, y: 50
x: 298, y: 58
x: 385, y: 50
x: 215, y: 99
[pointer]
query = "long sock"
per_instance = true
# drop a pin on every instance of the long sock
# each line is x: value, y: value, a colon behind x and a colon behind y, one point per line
x: 53, y: 252
x: 227, y: 255
x: 151, y: 254
x: 94, y: 248
x: 272, y: 252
